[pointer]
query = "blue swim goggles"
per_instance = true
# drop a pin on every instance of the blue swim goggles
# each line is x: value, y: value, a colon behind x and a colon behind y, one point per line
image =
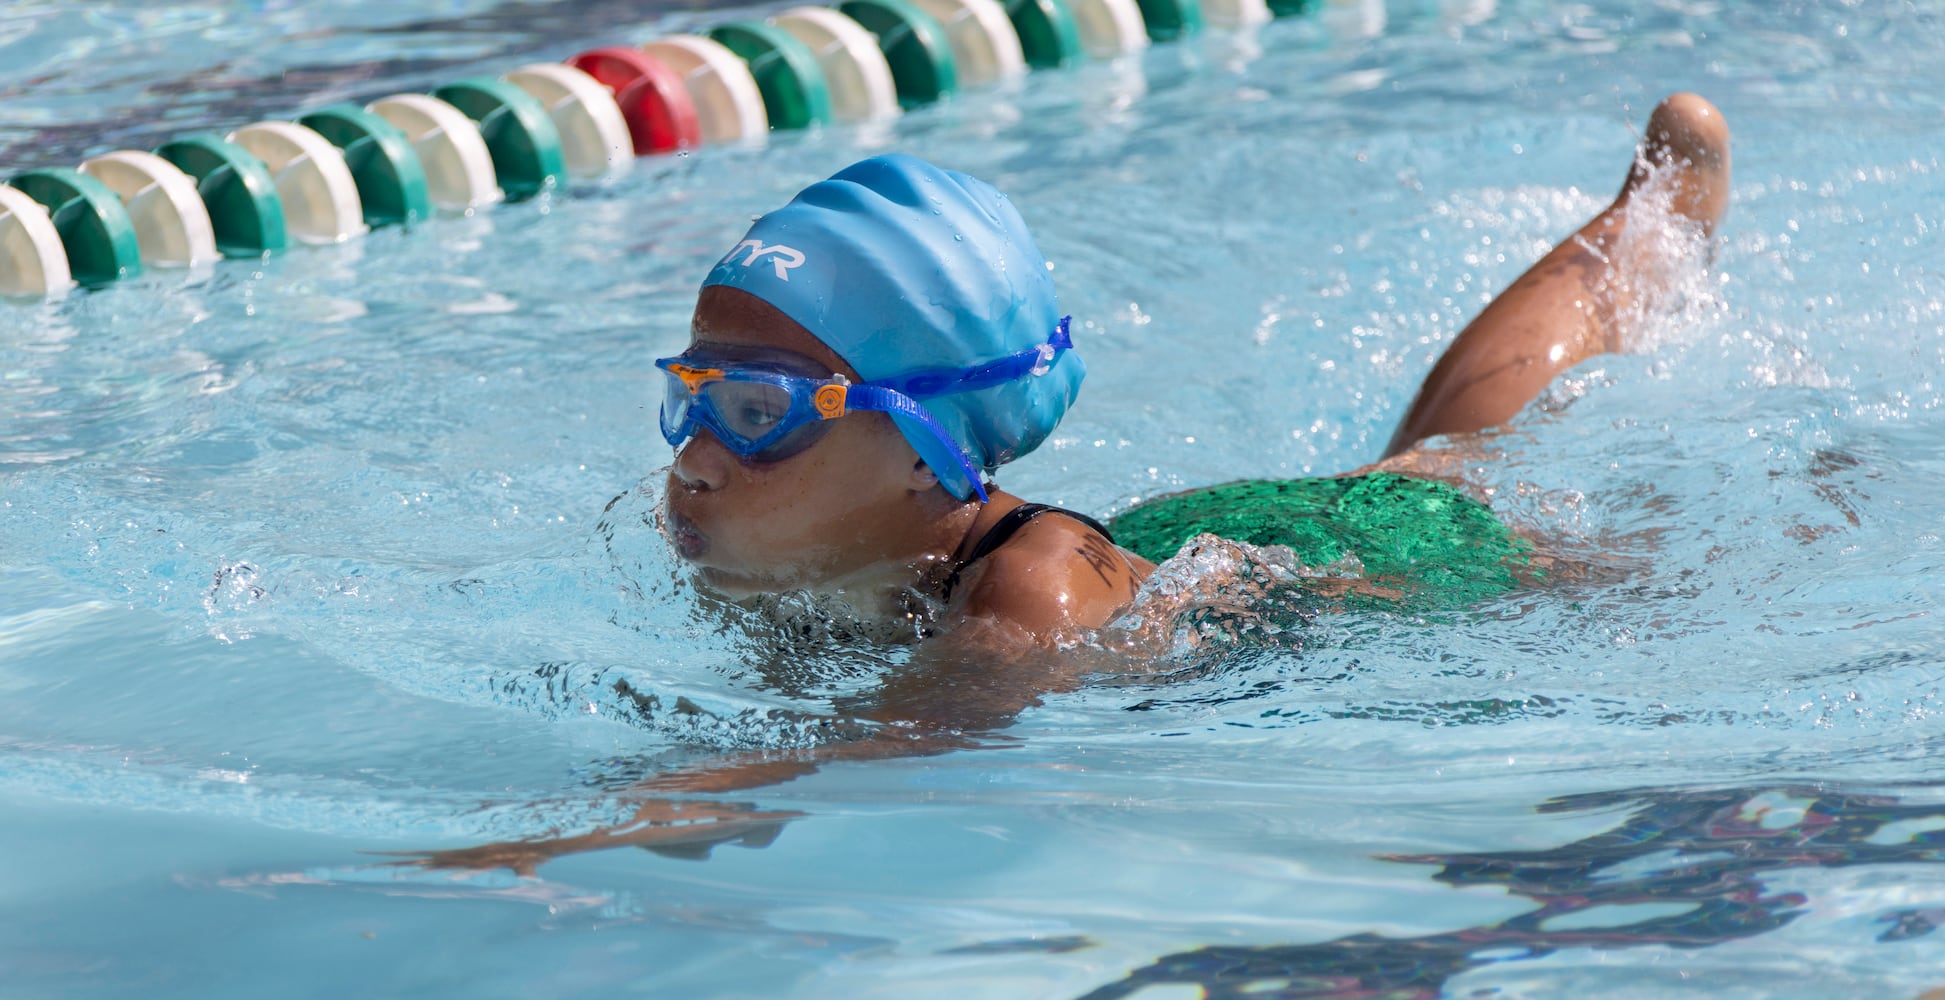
x: 765, y: 412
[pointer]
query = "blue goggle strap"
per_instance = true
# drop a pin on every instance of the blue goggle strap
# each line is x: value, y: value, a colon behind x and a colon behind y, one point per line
x: 904, y: 390
x: 887, y: 400
x: 929, y: 383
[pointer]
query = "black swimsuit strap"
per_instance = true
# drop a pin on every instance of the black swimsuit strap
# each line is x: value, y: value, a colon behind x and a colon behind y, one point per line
x: 1003, y: 530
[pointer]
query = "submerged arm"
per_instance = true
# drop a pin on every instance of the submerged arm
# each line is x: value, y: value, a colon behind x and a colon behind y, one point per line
x: 959, y: 688
x: 1001, y: 655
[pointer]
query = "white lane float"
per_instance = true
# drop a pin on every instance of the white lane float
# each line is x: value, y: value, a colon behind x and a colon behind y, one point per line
x: 320, y: 197
x: 594, y: 136
x: 855, y: 70
x: 985, y: 48
x: 172, y: 225
x: 1236, y: 13
x: 727, y: 101
x: 1110, y: 28
x: 32, y: 259
x: 458, y: 168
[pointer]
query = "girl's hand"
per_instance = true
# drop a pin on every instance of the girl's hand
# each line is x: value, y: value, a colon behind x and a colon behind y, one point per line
x: 678, y: 827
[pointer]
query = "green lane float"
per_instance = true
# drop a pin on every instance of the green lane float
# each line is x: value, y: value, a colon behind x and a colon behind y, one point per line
x: 30, y: 247
x: 985, y: 48
x: 520, y: 136
x: 855, y: 71
x: 1168, y: 20
x: 785, y: 70
x: 728, y: 104
x: 391, y: 181
x: 915, y: 45
x: 319, y: 197
x: 458, y: 169
x: 238, y: 191
x: 1048, y: 35
x: 172, y: 225
x: 655, y: 103
x: 93, y: 225
x: 594, y: 136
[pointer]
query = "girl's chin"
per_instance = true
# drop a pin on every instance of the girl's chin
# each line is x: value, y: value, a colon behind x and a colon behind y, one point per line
x: 724, y: 583
x: 736, y: 586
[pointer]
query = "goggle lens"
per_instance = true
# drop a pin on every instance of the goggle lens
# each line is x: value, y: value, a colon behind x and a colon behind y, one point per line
x: 748, y: 409
x: 676, y: 402
x: 741, y: 413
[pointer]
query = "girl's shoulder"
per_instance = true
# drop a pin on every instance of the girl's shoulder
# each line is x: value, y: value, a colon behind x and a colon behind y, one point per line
x: 1045, y: 568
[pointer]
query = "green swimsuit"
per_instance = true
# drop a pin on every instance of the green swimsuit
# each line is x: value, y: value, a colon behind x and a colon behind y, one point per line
x: 1426, y: 538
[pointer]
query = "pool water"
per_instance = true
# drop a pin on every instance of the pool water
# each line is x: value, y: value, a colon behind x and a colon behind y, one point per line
x: 310, y: 561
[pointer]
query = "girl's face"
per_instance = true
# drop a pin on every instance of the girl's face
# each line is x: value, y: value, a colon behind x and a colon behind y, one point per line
x: 830, y: 516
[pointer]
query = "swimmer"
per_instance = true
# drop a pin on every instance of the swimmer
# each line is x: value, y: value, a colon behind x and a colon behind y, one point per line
x: 864, y: 358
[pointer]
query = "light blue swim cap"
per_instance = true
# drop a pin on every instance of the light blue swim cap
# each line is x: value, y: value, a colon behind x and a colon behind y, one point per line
x: 898, y: 266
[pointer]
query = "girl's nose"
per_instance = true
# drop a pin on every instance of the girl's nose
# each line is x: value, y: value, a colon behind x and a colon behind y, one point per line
x: 703, y: 463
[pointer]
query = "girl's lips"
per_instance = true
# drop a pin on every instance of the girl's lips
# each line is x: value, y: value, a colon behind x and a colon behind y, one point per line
x: 689, y: 543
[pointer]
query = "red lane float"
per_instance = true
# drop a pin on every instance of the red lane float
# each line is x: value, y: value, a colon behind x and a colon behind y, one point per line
x: 660, y: 114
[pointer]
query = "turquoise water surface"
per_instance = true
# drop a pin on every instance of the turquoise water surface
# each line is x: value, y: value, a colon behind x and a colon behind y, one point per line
x: 315, y: 561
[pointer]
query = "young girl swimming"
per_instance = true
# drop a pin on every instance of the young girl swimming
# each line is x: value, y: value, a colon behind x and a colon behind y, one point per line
x: 865, y: 357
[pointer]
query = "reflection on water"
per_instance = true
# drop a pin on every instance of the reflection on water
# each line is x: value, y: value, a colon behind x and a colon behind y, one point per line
x: 1687, y: 869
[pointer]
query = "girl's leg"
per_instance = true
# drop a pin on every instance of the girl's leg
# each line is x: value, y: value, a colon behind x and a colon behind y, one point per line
x: 1575, y: 303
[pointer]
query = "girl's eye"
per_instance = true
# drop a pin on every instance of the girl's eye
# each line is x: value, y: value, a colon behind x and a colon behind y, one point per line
x: 755, y: 413
x: 760, y: 416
